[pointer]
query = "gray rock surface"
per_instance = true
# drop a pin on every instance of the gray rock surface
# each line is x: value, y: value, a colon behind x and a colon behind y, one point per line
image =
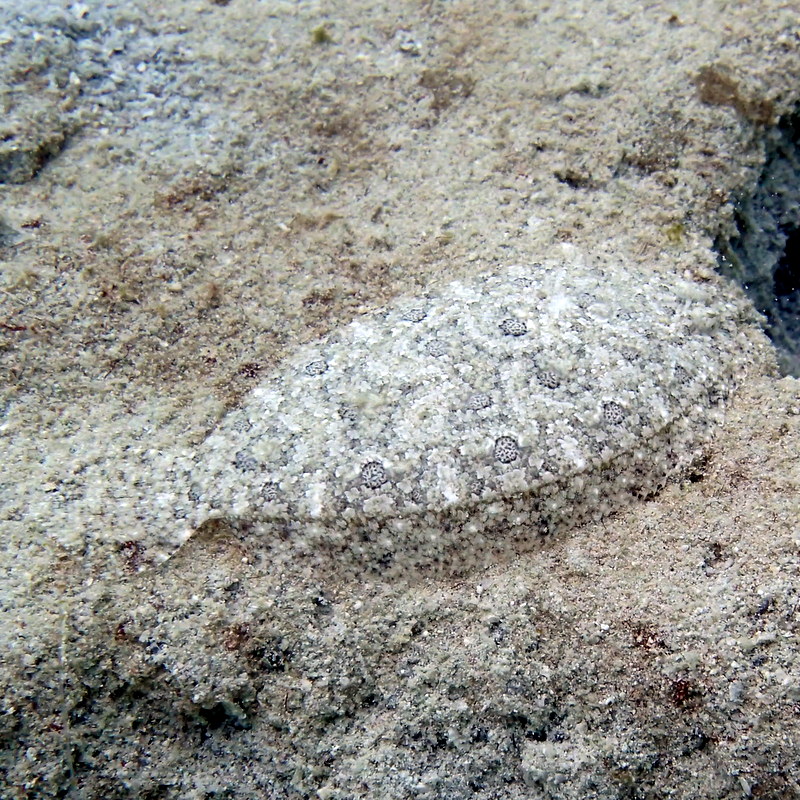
x: 202, y: 189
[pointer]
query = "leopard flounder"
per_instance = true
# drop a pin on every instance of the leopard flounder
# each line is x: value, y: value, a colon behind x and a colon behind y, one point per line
x: 463, y: 424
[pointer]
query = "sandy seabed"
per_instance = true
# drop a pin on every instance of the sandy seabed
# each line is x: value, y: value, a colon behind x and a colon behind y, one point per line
x: 194, y: 189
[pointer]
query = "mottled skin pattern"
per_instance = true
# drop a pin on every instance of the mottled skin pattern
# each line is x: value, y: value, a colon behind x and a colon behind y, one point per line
x: 521, y: 401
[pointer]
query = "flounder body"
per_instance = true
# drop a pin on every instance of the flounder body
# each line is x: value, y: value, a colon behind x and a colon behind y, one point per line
x: 449, y: 429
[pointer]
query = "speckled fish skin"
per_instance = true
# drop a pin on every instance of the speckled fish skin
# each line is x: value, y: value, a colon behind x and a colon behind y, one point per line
x: 478, y: 417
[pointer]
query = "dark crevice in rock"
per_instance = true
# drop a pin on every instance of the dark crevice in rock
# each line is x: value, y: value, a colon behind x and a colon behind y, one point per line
x: 762, y: 253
